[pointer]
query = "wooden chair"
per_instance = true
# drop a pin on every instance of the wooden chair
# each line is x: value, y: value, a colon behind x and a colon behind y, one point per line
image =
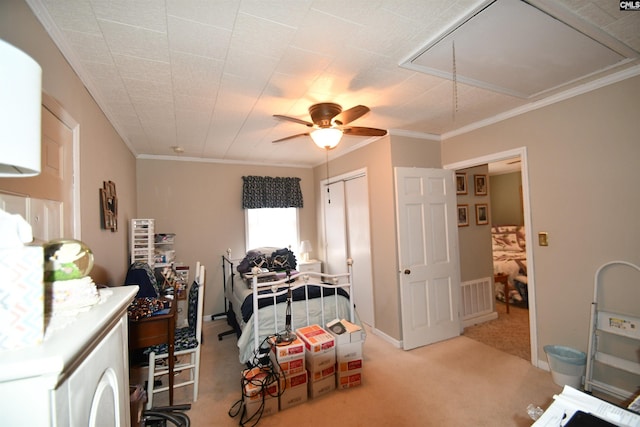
x: 188, y: 341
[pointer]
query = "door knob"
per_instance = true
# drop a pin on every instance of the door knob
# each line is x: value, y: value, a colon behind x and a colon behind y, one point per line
x: 407, y: 271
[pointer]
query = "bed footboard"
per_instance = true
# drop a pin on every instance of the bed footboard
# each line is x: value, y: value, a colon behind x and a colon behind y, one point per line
x: 320, y: 298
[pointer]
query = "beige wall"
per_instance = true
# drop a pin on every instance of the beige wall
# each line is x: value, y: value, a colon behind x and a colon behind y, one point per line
x: 583, y: 173
x: 476, y: 261
x: 202, y: 204
x: 505, y: 194
x: 103, y: 155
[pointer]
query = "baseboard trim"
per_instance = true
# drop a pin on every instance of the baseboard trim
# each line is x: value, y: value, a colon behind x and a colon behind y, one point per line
x: 394, y: 342
x: 480, y: 319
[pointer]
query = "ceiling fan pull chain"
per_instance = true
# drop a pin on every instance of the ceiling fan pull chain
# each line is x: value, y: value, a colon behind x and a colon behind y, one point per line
x: 326, y: 150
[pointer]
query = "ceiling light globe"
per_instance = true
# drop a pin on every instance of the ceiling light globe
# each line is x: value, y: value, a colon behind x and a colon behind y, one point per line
x: 326, y: 138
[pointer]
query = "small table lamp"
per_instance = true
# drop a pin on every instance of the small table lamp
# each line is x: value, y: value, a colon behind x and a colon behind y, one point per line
x: 305, y: 248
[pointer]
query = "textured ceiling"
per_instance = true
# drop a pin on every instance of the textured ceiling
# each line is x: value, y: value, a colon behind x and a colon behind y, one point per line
x: 207, y: 75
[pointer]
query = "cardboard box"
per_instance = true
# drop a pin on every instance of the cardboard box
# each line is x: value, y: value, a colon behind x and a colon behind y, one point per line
x: 259, y: 384
x: 345, y: 332
x: 287, y: 358
x: 289, y: 367
x: 293, y: 391
x: 319, y: 361
x: 348, y: 380
x: 349, y: 366
x: 324, y: 386
x: 329, y: 371
x: 349, y: 351
x: 22, y: 296
x: 316, y: 339
x: 252, y: 406
x: 259, y: 380
x: 285, y: 352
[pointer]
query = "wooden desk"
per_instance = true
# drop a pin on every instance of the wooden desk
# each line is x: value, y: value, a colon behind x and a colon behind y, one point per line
x: 156, y: 330
x: 504, y: 279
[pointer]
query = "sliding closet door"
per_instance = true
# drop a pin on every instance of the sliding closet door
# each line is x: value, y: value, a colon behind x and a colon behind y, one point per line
x: 347, y: 234
x: 358, y: 232
x: 336, y: 229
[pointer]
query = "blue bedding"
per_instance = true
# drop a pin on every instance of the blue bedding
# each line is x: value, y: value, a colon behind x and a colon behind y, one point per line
x: 313, y: 291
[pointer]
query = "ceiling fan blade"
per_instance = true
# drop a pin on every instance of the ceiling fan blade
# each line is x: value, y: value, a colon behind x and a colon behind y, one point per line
x: 293, y: 119
x: 291, y: 137
x: 362, y: 131
x: 347, y: 116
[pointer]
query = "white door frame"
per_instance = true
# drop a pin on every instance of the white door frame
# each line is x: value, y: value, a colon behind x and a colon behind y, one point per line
x: 370, y: 291
x: 526, y: 202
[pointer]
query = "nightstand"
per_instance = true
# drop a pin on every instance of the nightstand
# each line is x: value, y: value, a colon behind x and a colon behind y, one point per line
x: 311, y: 265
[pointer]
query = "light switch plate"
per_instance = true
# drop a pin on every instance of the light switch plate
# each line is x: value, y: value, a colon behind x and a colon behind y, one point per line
x: 543, y: 238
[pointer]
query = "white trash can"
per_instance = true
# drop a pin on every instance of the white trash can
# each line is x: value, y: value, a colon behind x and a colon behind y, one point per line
x: 567, y: 365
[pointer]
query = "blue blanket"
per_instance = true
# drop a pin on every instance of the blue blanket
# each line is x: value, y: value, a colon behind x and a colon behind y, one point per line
x: 313, y: 291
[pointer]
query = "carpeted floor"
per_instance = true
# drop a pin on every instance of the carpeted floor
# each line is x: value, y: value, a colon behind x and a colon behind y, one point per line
x: 508, y: 333
x: 458, y: 382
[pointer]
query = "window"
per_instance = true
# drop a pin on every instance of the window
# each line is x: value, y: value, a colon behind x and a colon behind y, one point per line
x: 272, y: 227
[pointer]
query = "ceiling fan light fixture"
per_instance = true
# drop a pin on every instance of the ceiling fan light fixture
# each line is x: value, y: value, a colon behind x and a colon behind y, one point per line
x: 326, y: 138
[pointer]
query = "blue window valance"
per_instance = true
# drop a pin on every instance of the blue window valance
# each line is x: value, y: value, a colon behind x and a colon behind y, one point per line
x: 269, y: 192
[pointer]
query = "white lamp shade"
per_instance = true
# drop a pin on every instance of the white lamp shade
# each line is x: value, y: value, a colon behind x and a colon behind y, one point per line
x: 305, y: 248
x: 20, y: 113
x: 326, y: 138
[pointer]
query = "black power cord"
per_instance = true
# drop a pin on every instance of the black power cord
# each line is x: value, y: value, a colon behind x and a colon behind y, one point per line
x: 269, y: 376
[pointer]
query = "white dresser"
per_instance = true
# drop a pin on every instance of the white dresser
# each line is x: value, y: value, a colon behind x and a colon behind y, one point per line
x: 78, y: 377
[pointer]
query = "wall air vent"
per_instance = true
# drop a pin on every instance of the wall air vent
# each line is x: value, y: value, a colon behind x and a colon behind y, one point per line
x: 515, y: 48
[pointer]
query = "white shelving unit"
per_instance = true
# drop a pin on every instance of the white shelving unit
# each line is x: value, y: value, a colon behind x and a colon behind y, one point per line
x: 612, y: 323
x: 142, y: 241
x: 164, y: 253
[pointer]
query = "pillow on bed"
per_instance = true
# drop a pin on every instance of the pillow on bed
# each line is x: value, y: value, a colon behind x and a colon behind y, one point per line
x: 274, y: 259
x: 520, y: 235
x: 253, y: 259
x: 506, y: 242
x: 282, y: 259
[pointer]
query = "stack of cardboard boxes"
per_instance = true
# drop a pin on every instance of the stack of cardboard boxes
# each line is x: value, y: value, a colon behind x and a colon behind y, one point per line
x: 349, y: 339
x: 289, y: 362
x: 259, y: 384
x: 320, y: 358
x: 317, y: 362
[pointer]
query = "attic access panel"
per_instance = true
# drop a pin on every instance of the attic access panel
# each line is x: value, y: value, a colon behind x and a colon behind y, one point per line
x: 512, y: 47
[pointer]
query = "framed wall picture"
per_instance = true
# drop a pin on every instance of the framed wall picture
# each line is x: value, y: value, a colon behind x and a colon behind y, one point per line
x: 463, y: 215
x: 461, y: 183
x: 109, y: 205
x: 480, y: 185
x: 482, y: 214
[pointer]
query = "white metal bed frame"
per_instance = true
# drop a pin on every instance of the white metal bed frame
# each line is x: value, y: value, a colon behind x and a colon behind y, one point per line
x: 281, y: 287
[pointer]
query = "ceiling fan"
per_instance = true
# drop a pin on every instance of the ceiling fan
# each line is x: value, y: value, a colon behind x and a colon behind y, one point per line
x: 329, y: 124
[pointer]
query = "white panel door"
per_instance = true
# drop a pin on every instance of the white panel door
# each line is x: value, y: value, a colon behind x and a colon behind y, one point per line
x: 14, y: 204
x: 57, y: 167
x: 46, y: 219
x: 428, y: 255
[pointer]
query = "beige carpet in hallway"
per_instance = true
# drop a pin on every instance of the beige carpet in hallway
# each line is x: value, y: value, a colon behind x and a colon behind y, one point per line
x: 459, y: 382
x: 508, y: 333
